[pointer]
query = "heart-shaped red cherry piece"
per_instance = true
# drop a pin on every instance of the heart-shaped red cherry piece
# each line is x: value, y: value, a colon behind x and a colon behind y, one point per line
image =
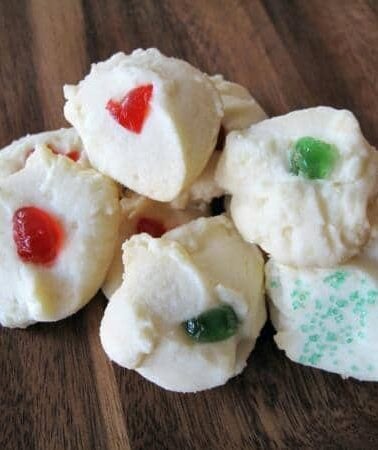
x: 37, y: 234
x: 131, y: 112
x: 150, y: 226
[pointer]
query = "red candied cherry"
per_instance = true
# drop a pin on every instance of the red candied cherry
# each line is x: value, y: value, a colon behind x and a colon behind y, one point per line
x: 150, y: 226
x: 131, y: 112
x: 73, y: 154
x: 37, y: 234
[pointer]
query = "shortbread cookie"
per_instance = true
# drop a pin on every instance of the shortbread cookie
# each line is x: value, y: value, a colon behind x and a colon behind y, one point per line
x: 148, y: 121
x: 301, y: 185
x: 326, y: 318
x: 58, y: 229
x: 186, y: 316
x: 240, y: 109
x: 142, y: 215
x: 65, y: 141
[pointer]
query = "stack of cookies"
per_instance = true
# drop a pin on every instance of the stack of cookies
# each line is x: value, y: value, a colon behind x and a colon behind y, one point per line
x: 124, y: 202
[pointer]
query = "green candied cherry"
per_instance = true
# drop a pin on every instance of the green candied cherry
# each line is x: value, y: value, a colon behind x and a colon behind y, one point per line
x: 313, y: 158
x: 213, y: 325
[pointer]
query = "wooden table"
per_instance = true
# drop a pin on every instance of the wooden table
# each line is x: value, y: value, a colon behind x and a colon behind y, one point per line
x: 58, y: 390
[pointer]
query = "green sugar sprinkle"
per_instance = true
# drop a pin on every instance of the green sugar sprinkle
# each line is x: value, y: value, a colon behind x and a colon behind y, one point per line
x: 274, y: 283
x: 331, y: 337
x: 326, y: 334
x: 299, y: 297
x: 336, y: 279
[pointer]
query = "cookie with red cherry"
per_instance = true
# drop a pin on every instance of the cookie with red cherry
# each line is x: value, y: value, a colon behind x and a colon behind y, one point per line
x: 58, y: 228
x: 142, y: 215
x: 146, y: 120
x: 65, y: 142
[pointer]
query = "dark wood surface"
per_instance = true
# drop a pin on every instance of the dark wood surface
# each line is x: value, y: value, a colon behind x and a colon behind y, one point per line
x: 58, y: 390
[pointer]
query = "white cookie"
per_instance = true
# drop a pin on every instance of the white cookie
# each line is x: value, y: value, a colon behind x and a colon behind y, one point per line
x: 326, y: 318
x: 83, y: 211
x: 240, y: 109
x: 65, y: 141
x: 301, y: 221
x: 148, y: 121
x: 190, y: 271
x: 140, y: 214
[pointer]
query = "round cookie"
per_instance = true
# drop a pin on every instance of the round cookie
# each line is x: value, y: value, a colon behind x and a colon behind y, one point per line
x: 186, y: 317
x: 58, y: 229
x: 140, y: 214
x: 148, y: 121
x: 65, y: 141
x: 301, y: 185
x: 326, y: 318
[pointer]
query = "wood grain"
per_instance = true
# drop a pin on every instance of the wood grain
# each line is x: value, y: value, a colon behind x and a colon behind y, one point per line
x: 58, y: 390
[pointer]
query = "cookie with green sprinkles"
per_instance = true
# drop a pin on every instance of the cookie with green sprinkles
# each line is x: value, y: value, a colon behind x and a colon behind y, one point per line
x: 326, y: 318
